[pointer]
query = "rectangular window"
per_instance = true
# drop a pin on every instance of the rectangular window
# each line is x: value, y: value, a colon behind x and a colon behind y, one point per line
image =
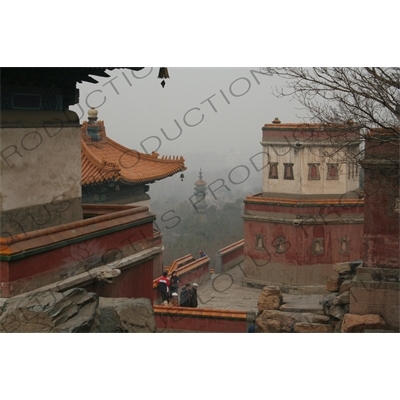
x: 344, y: 246
x: 313, y: 172
x: 259, y: 242
x: 318, y: 246
x: 273, y: 170
x: 332, y: 171
x: 288, y: 172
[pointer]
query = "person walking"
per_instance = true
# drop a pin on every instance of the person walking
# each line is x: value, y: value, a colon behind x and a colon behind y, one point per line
x: 163, y: 285
x: 193, y: 298
x: 174, y: 282
x: 185, y: 296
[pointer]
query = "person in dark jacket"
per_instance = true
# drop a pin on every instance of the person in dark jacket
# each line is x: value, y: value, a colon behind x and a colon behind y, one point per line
x: 185, y: 296
x: 174, y: 283
x: 193, y: 299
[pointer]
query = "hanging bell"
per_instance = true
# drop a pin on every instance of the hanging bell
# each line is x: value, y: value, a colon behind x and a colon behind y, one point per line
x: 163, y: 74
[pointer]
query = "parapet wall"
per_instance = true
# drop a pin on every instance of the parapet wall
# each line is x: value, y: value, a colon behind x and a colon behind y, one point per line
x: 229, y: 256
x: 195, y: 271
x: 183, y: 319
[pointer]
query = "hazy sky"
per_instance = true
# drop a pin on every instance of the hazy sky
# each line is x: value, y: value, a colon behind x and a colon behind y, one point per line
x: 217, y: 109
x: 211, y: 116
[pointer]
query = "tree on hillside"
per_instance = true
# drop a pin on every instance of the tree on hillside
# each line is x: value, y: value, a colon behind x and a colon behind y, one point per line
x: 209, y: 232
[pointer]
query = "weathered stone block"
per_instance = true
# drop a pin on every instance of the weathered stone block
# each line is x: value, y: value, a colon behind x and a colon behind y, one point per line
x: 126, y: 315
x: 48, y: 311
x: 315, y: 318
x: 342, y: 298
x: 302, y: 327
x: 353, y: 323
x: 336, y: 311
x: 272, y: 321
x: 342, y: 268
x: 333, y: 284
x: 346, y: 285
x: 270, y: 298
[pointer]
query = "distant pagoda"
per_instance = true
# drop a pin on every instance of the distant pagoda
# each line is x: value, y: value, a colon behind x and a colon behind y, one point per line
x: 200, y: 189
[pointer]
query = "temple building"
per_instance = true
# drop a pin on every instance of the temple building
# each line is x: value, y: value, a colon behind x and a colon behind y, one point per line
x: 112, y: 173
x: 309, y: 215
x: 50, y: 239
x: 200, y: 192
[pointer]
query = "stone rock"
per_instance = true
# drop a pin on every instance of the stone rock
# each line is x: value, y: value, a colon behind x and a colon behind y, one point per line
x: 337, y: 324
x: 342, y: 268
x: 354, y: 323
x: 348, y: 276
x: 126, y: 315
x: 333, y: 283
x: 270, y: 298
x: 342, y: 298
x: 273, y: 321
x: 312, y: 318
x: 49, y: 311
x: 336, y: 311
x: 108, y: 275
x: 345, y: 286
x: 327, y: 301
x: 302, y: 327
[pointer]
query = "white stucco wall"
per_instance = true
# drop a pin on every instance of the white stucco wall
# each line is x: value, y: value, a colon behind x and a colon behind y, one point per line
x: 300, y: 158
x: 39, y: 165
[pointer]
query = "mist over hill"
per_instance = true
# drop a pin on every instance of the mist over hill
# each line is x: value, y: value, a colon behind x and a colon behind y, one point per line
x: 229, y: 176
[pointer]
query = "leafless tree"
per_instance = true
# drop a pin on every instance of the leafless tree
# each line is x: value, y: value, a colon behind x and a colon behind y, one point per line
x: 367, y: 96
x: 352, y: 101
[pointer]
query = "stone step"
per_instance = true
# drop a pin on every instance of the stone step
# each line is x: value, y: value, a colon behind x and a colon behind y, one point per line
x: 302, y: 308
x: 313, y: 318
x: 302, y: 304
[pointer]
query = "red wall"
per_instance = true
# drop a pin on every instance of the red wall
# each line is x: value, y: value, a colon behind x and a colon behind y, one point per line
x: 299, y: 241
x: 37, y: 270
x: 173, y: 320
x: 132, y: 283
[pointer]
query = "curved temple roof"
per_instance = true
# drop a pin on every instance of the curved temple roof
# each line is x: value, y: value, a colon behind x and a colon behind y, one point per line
x: 105, y: 160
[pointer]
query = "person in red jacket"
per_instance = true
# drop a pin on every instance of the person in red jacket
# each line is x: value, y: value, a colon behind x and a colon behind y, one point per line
x: 163, y: 285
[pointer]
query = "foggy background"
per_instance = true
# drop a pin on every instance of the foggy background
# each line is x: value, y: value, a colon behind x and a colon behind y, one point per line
x: 210, y: 116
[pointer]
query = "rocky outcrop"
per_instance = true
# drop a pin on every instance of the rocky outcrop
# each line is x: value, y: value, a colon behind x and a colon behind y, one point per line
x: 354, y: 323
x: 336, y: 305
x: 270, y: 298
x: 273, y: 321
x: 126, y: 315
x: 71, y: 311
x: 75, y: 311
x: 275, y: 317
x: 333, y: 283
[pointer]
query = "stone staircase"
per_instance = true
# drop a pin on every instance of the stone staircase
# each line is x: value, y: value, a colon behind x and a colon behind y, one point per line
x: 291, y: 313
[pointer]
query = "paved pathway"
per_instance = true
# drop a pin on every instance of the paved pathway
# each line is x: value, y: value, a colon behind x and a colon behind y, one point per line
x: 225, y: 291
